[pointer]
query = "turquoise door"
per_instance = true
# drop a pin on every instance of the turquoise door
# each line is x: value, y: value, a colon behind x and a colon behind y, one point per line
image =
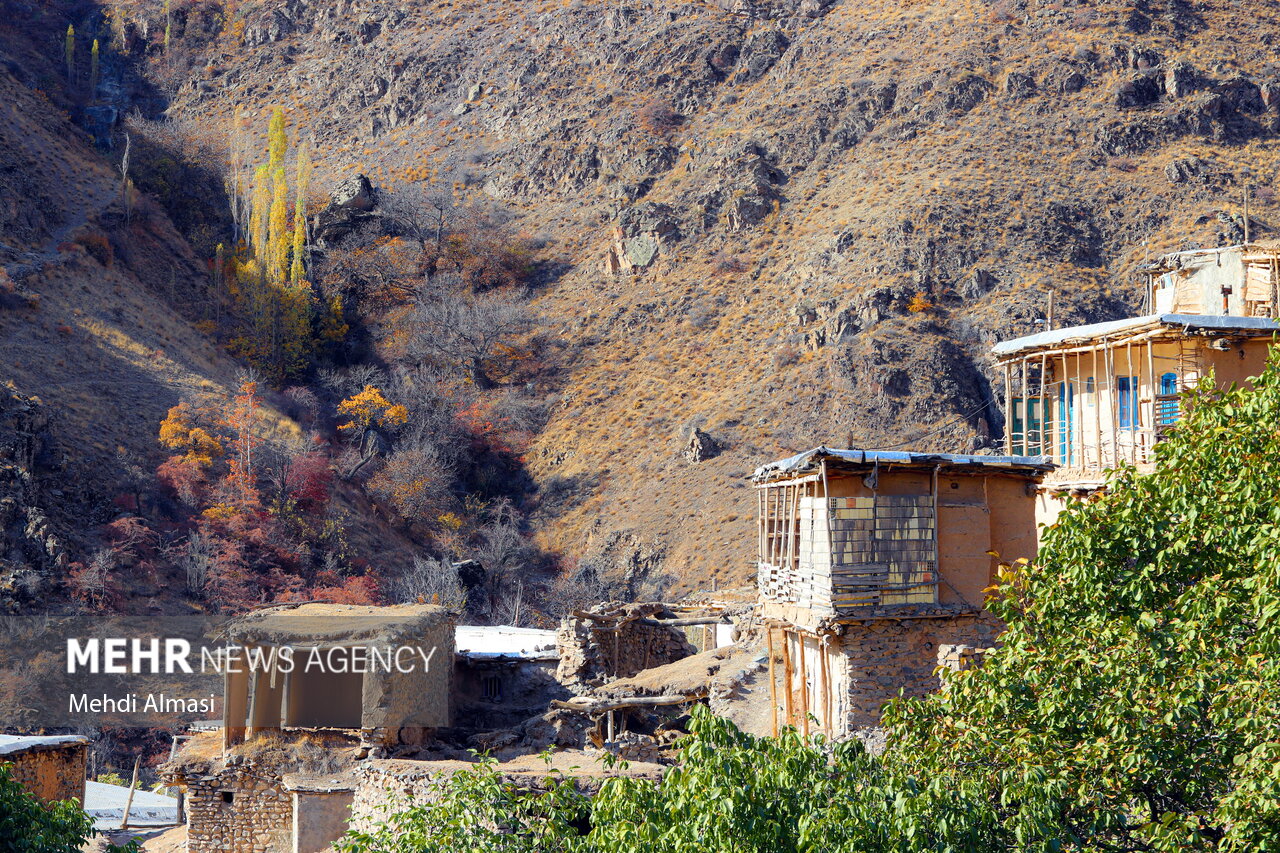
x: 1066, y: 423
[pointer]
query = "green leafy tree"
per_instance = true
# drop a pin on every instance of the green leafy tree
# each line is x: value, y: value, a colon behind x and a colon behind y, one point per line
x: 1133, y: 702
x: 1131, y: 706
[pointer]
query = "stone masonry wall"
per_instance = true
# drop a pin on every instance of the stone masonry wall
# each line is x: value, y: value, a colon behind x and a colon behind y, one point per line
x: 884, y: 656
x: 616, y: 642
x: 257, y: 819
x: 51, y: 773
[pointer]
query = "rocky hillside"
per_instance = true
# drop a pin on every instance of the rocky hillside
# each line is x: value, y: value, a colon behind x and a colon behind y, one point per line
x: 780, y: 223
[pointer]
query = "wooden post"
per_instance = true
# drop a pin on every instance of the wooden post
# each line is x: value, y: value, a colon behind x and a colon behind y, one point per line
x: 1097, y: 409
x: 773, y: 685
x: 937, y: 559
x: 1077, y: 407
x: 1155, y: 388
x: 825, y: 700
x: 804, y: 687
x: 1065, y: 422
x: 786, y: 675
x: 1048, y: 319
x: 1134, y: 420
x: 1113, y: 400
x: 1044, y: 406
x: 128, y: 802
x: 1026, y: 411
x: 760, y: 522
x: 1008, y: 407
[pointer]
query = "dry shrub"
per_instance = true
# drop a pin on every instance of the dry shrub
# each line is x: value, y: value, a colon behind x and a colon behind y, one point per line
x: 97, y: 245
x: 658, y: 118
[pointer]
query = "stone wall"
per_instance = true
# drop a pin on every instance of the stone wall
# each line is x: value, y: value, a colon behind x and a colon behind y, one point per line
x: 616, y: 641
x: 880, y: 657
x: 239, y: 809
x: 959, y: 658
x: 53, y: 772
x: 385, y: 781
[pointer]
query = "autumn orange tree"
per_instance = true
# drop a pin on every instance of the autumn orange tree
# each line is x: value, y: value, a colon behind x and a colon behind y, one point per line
x: 368, y: 408
x: 258, y: 546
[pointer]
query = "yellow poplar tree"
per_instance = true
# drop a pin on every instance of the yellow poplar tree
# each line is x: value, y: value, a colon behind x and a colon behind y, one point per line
x: 277, y: 258
x: 93, y: 70
x: 71, y: 52
x: 298, y: 270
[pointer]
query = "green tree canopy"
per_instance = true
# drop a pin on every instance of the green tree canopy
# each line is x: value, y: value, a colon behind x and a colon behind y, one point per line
x: 1133, y: 704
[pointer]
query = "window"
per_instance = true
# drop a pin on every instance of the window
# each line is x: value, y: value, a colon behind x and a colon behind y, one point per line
x: 492, y: 688
x: 1167, y: 402
x: 1067, y: 423
x: 227, y: 797
x: 1127, y: 401
x: 1028, y: 438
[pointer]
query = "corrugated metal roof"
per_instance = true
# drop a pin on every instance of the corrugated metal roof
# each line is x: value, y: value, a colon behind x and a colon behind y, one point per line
x: 1093, y: 331
x: 810, y: 459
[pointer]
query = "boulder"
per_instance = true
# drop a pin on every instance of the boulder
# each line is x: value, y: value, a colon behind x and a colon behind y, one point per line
x: 355, y: 193
x: 700, y: 446
x: 1137, y: 92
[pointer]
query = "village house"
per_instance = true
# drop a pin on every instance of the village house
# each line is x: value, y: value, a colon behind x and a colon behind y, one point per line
x: 1091, y: 397
x: 870, y: 562
x: 49, y: 767
x: 348, y: 688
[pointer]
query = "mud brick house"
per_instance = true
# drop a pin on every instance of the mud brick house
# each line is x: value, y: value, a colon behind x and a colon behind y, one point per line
x: 349, y: 691
x: 871, y: 561
x: 1091, y: 397
x: 50, y: 767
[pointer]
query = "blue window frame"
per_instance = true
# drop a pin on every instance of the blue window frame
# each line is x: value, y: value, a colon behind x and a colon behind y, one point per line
x: 1066, y: 423
x: 1127, y: 401
x: 1028, y: 439
x: 1167, y: 410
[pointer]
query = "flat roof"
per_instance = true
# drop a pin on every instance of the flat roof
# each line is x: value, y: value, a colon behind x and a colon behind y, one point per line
x: 810, y: 460
x: 9, y: 744
x: 504, y: 641
x: 335, y: 623
x: 1093, y: 331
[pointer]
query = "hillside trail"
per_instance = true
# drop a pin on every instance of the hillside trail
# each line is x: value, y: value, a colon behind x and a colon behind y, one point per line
x: 34, y: 261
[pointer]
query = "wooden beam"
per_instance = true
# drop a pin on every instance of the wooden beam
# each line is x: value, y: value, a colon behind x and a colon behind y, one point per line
x: 604, y: 705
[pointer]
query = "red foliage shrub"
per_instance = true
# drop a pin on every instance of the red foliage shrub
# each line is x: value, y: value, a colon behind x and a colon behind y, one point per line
x: 184, y: 479
x: 353, y: 590
x: 309, y: 479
